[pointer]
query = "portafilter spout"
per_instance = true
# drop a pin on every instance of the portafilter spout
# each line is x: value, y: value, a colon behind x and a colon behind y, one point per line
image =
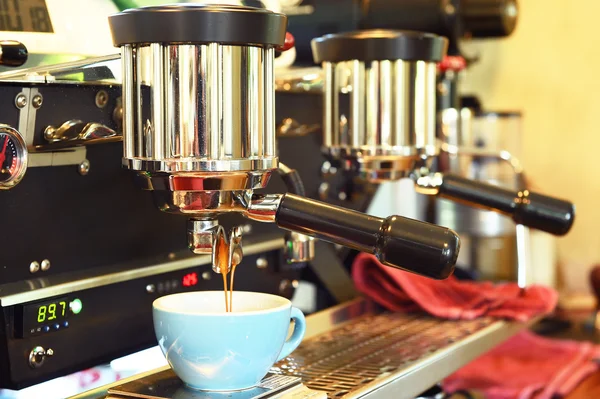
x: 199, y: 131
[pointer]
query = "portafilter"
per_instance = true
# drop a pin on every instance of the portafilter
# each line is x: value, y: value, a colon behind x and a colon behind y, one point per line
x: 199, y: 132
x: 389, y: 79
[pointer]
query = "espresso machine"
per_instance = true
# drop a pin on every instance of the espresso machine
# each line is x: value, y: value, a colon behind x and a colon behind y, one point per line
x: 193, y: 103
x: 448, y: 136
x: 109, y: 162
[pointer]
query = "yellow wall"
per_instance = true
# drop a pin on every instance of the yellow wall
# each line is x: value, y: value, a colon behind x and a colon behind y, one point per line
x: 550, y: 69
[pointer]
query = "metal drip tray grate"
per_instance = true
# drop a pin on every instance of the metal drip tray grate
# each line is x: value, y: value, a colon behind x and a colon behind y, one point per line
x: 354, y: 351
x: 371, y: 348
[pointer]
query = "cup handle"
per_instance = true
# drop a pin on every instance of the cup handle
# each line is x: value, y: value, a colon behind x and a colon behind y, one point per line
x: 299, y: 329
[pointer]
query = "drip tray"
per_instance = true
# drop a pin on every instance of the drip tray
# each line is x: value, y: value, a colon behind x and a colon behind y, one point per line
x: 357, y: 351
x: 373, y: 350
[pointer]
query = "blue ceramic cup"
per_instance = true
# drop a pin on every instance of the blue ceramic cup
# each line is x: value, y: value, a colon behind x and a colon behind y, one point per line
x: 210, y: 349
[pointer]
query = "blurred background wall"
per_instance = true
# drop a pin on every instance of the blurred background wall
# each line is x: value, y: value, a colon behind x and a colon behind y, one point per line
x: 550, y: 69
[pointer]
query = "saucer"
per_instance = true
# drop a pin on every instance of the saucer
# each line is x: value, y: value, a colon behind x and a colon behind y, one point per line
x: 166, y: 385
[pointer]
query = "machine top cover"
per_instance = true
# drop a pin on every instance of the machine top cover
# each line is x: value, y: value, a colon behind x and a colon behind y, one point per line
x: 199, y: 24
x: 378, y: 45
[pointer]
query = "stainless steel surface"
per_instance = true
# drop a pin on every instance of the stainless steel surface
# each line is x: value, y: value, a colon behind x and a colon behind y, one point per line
x: 391, y: 125
x: 54, y: 285
x: 21, y: 100
x: 429, y: 184
x: 34, y: 267
x: 478, y: 148
x: 262, y: 263
x: 263, y: 208
x: 203, y: 181
x: 45, y: 265
x: 166, y: 385
x: 77, y: 133
x: 27, y: 126
x: 523, y: 245
x: 38, y: 356
x: 37, y: 101
x: 292, y: 128
x: 200, y: 235
x: 84, y: 167
x: 298, y: 248
x: 198, y: 108
x: 391, y: 355
x: 226, y: 250
x: 299, y: 80
x: 356, y: 351
x: 101, y: 99
x: 64, y: 72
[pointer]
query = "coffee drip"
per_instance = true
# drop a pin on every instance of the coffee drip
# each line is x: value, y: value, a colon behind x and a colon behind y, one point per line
x: 226, y: 255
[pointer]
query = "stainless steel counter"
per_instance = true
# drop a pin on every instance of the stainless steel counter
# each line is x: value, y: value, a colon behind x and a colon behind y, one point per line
x: 357, y: 351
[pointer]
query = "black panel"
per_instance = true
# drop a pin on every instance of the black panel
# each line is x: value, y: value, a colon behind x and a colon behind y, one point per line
x: 102, y: 219
x: 117, y: 319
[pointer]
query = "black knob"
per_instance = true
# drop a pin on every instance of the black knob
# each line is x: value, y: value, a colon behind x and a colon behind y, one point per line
x: 199, y: 23
x: 489, y: 18
x: 552, y: 215
x: 379, y: 44
x: 12, y: 53
x: 412, y: 245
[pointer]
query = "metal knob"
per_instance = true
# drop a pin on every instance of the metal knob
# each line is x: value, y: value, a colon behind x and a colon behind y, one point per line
x: 38, y: 356
x: 299, y: 248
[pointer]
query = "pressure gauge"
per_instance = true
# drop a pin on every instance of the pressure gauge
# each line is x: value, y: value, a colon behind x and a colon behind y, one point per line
x: 13, y: 157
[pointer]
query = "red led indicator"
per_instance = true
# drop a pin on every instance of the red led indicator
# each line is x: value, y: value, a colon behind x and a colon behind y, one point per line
x: 190, y: 279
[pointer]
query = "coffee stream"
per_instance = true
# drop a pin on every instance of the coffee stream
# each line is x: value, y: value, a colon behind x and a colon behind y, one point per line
x: 224, y: 267
x: 228, y: 298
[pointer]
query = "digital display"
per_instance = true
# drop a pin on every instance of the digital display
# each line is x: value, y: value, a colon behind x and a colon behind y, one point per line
x: 25, y: 16
x: 45, y: 316
x: 190, y: 280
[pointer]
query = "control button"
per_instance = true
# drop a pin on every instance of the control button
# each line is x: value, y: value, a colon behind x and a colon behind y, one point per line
x: 45, y: 265
x: 46, y: 328
x: 56, y: 326
x: 161, y: 288
x: 38, y: 355
x: 76, y: 305
x: 38, y: 330
x: 65, y: 324
x: 150, y: 288
x: 174, y: 284
x: 34, y: 267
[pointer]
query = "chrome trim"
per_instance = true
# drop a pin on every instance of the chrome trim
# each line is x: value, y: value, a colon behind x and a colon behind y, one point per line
x: 523, y: 246
x: 299, y: 248
x: 22, y: 157
x: 299, y: 80
x: 74, y: 133
x: 12, y: 294
x: 200, y: 235
x: 513, y: 161
x: 263, y: 208
x: 420, y: 376
x: 392, y: 120
x: 49, y: 73
x: 197, y: 108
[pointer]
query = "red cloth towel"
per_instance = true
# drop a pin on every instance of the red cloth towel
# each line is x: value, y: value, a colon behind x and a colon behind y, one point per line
x: 450, y: 299
x: 526, y: 366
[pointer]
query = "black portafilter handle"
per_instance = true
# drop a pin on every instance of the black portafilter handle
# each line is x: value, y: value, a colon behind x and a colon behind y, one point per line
x: 12, y: 53
x: 408, y: 244
x: 541, y: 212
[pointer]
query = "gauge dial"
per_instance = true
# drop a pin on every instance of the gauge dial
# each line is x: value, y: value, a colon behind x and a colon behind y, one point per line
x: 13, y: 157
